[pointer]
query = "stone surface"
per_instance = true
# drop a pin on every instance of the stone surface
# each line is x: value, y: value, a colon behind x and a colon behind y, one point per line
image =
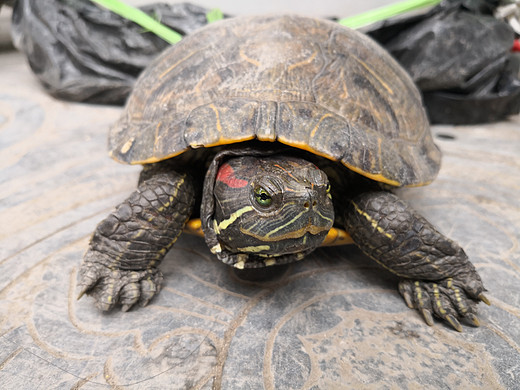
x: 332, y: 321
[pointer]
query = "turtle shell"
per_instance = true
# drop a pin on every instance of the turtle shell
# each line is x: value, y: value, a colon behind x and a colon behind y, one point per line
x: 308, y: 83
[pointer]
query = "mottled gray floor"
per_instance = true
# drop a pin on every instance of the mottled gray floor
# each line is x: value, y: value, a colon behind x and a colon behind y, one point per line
x: 332, y: 321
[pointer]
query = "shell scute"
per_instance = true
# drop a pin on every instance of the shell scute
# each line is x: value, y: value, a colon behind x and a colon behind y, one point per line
x: 308, y: 83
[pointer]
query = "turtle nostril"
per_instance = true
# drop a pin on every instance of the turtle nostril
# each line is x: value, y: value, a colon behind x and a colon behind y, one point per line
x: 307, y: 204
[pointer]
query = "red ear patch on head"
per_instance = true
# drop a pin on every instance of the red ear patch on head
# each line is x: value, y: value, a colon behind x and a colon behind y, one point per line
x: 227, y: 176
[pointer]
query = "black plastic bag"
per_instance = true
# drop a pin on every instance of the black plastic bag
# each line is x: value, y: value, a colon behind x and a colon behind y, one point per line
x: 460, y: 57
x: 458, y: 54
x: 85, y: 53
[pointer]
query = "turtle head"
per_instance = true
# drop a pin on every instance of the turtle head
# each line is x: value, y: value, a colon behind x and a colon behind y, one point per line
x: 267, y: 209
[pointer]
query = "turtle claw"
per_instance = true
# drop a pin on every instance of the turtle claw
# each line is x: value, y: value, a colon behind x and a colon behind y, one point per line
x: 407, y: 296
x: 129, y: 294
x: 88, y: 277
x: 447, y: 300
x: 81, y: 292
x: 112, y: 286
x: 484, y: 299
x: 455, y: 324
x: 473, y: 319
x: 427, y: 315
x: 149, y: 288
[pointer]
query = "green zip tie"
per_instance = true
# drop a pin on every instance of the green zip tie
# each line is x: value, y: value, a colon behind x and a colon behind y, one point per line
x: 386, y: 12
x: 150, y: 24
x: 214, y: 15
x: 137, y: 16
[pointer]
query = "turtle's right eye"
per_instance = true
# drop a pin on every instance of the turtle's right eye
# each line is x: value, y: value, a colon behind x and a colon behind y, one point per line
x: 262, y: 197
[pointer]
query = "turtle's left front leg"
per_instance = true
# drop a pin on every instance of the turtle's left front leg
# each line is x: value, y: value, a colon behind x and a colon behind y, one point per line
x: 437, y: 277
x: 121, y: 264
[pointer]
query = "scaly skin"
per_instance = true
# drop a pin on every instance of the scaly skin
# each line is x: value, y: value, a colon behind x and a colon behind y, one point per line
x: 437, y: 277
x: 126, y: 248
x: 120, y: 265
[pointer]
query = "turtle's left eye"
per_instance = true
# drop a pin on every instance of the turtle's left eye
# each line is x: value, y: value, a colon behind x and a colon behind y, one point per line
x: 328, y: 188
x: 262, y: 197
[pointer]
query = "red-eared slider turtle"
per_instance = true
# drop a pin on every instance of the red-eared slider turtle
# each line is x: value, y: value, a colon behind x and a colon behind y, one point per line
x: 277, y: 129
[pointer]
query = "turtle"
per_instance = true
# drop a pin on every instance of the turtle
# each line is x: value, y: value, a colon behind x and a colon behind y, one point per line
x: 274, y: 135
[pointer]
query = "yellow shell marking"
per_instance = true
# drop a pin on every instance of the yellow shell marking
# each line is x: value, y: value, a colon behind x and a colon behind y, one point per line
x: 304, y: 146
x: 249, y: 59
x: 313, y: 132
x: 345, y: 94
x: 306, y: 61
x: 217, y: 117
x: 128, y: 144
x: 157, y: 138
x: 374, y: 176
x: 379, y: 142
x: 175, y: 65
x: 222, y: 139
x: 369, y: 70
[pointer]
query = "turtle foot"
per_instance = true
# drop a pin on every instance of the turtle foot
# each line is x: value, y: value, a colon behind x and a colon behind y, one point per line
x: 110, y: 286
x: 446, y: 299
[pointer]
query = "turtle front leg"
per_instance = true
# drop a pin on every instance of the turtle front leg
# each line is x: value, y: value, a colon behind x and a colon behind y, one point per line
x: 437, y: 277
x: 121, y: 263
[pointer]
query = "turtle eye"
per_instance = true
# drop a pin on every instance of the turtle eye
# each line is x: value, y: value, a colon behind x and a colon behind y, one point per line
x: 328, y: 188
x: 262, y: 197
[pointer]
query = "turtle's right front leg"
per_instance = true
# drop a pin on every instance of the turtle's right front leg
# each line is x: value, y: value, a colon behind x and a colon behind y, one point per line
x: 127, y: 246
x: 437, y: 277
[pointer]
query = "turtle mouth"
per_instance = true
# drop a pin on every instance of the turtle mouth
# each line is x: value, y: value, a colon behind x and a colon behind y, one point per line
x: 306, y: 238
x: 309, y: 228
x: 262, y: 261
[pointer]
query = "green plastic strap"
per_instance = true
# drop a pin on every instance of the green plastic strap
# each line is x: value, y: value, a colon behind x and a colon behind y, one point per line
x: 386, y: 12
x: 150, y: 24
x: 214, y: 15
x: 137, y: 16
